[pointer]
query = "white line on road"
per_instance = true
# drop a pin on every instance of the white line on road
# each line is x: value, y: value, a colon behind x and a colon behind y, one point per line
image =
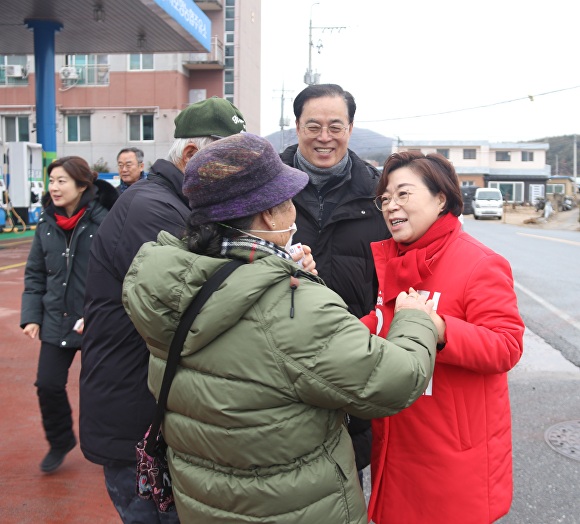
x: 551, y: 238
x: 562, y: 314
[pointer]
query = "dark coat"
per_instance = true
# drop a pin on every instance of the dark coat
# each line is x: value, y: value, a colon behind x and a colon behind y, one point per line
x: 339, y: 226
x: 116, y: 407
x: 56, y: 270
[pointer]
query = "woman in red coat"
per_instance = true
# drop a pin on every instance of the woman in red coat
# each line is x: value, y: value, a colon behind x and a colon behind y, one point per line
x: 447, y: 458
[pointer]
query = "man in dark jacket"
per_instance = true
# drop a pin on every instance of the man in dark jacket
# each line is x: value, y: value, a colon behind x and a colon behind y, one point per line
x: 130, y: 165
x: 335, y: 214
x: 116, y: 407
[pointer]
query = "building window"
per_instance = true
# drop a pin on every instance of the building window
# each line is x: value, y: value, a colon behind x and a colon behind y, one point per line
x: 467, y: 183
x: 13, y: 70
x: 141, y: 128
x: 502, y: 156
x: 141, y: 62
x: 469, y: 154
x: 78, y: 128
x: 16, y: 129
x: 91, y: 69
x: 511, y: 191
x: 527, y: 156
x: 444, y: 152
x: 229, y: 52
x: 555, y: 189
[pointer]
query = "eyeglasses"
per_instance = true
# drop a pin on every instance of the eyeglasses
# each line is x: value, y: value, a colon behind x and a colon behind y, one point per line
x: 400, y: 198
x: 128, y: 165
x: 315, y: 130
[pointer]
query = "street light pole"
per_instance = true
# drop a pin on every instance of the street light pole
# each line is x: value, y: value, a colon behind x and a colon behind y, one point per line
x: 311, y: 78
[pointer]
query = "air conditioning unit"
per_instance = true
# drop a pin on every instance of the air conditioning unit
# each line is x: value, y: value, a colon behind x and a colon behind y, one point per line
x: 69, y: 73
x: 15, y: 71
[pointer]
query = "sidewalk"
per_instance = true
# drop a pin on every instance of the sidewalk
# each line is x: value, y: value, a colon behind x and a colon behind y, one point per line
x: 76, y: 492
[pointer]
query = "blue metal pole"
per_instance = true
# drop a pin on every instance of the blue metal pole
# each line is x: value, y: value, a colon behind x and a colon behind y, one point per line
x: 44, y: 31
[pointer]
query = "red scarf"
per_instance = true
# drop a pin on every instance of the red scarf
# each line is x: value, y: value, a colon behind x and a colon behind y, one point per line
x: 68, y: 223
x: 408, y: 265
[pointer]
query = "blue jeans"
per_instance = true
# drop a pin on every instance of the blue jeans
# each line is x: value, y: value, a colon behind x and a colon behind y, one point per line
x: 132, y: 509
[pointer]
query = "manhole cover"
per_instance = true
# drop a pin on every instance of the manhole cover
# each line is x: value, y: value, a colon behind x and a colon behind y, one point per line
x: 565, y: 438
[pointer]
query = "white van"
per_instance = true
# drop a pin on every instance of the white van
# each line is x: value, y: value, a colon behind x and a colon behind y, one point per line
x: 487, y: 202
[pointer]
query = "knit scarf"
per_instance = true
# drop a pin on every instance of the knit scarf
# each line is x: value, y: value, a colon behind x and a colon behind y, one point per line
x: 320, y: 176
x: 409, y: 265
x: 68, y: 223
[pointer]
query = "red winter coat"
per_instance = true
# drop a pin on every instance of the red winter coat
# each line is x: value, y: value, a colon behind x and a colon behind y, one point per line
x: 447, y: 458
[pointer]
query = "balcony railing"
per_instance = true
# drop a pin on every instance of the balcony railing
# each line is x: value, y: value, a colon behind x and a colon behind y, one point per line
x: 213, y: 59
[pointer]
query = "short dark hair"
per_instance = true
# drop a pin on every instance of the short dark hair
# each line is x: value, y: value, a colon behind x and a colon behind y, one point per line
x: 437, y: 173
x: 320, y: 90
x: 77, y: 168
x: 138, y: 153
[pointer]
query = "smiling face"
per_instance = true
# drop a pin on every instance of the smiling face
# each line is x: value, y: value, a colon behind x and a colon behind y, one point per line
x: 411, y: 220
x: 324, y: 150
x: 63, y: 190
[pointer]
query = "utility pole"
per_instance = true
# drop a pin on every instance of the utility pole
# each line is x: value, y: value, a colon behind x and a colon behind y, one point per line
x: 575, y: 159
x: 311, y: 78
x: 284, y: 121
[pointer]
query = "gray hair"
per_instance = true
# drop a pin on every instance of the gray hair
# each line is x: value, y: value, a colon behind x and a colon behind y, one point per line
x: 138, y: 153
x: 176, y: 151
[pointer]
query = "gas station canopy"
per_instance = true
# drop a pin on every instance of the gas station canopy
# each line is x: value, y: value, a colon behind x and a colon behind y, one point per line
x: 108, y: 26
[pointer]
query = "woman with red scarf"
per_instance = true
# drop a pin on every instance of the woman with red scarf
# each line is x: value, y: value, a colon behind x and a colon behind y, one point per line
x: 54, y: 288
x: 447, y: 458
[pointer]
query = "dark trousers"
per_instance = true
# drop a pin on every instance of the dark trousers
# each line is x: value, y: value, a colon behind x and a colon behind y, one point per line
x: 121, y: 485
x: 51, y: 379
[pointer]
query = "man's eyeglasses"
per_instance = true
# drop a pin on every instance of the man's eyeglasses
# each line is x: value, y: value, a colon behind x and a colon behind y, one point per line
x: 128, y: 165
x: 334, y: 130
x: 400, y: 198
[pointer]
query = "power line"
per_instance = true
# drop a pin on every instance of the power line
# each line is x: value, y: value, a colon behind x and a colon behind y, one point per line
x: 528, y: 97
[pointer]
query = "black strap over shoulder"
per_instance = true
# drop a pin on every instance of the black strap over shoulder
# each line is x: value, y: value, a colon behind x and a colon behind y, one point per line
x: 177, y: 344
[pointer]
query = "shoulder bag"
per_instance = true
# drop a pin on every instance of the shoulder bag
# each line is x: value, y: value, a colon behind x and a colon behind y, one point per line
x: 153, y: 478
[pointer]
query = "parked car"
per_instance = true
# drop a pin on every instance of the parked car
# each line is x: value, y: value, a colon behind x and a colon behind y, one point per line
x: 487, y: 202
x: 468, y: 192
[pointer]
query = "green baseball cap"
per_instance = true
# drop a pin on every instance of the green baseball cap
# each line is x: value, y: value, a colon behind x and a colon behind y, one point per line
x: 215, y: 117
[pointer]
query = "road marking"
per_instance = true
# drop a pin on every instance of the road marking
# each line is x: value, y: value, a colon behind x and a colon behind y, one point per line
x: 562, y: 314
x: 572, y: 242
x: 10, y: 244
x: 13, y: 266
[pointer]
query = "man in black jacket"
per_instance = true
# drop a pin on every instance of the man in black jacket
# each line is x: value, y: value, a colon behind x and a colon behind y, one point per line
x: 116, y: 407
x: 335, y: 214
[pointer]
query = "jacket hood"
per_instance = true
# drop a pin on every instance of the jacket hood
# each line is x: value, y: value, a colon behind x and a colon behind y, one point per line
x: 162, y: 296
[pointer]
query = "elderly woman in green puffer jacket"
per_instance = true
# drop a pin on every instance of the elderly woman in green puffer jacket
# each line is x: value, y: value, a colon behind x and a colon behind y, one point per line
x: 273, y: 362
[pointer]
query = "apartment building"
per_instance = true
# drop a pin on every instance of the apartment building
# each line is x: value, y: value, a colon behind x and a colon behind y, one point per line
x: 108, y: 101
x: 517, y: 169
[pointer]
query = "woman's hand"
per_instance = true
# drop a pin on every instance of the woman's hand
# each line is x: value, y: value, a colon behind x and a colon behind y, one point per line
x: 79, y: 326
x: 31, y: 330
x: 304, y: 256
x: 413, y: 300
x: 440, y: 325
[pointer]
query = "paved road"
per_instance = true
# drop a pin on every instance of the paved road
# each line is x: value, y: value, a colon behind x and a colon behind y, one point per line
x: 544, y: 390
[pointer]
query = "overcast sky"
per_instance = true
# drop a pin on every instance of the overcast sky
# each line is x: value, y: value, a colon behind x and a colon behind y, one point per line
x: 413, y: 58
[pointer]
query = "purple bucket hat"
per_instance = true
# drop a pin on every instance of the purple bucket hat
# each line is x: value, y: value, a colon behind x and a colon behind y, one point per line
x: 236, y: 177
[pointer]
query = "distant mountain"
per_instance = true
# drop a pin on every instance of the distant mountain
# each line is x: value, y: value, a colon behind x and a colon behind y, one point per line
x: 560, y: 156
x: 365, y: 143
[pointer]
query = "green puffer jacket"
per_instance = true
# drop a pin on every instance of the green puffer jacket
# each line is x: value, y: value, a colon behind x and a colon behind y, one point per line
x: 255, y: 414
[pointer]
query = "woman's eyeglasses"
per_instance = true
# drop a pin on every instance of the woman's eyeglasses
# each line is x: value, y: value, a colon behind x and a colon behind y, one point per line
x: 400, y: 198
x: 315, y: 130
